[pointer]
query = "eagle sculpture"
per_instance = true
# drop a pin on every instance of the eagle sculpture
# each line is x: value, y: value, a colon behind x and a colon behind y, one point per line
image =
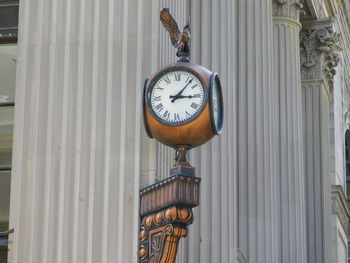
x: 178, y: 39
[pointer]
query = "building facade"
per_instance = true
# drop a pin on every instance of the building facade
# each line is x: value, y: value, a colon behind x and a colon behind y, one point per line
x: 274, y: 183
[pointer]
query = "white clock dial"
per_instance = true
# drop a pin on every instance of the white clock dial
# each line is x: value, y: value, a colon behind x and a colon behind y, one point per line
x: 177, y: 97
x: 216, y: 104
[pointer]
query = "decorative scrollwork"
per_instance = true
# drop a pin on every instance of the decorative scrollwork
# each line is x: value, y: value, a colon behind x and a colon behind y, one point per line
x: 165, y: 212
x: 340, y: 206
x: 318, y: 53
x: 160, y: 234
x: 156, y: 244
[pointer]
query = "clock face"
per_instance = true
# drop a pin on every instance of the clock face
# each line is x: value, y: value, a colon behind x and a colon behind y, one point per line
x: 177, y: 97
x: 216, y: 105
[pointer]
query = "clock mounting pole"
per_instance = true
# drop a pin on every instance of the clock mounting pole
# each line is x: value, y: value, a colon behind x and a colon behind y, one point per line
x: 182, y: 166
x: 181, y: 155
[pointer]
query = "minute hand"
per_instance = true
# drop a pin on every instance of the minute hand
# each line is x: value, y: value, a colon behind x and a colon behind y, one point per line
x: 178, y: 95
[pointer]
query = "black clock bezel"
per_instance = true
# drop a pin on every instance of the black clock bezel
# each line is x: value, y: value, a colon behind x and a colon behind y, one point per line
x: 215, y: 78
x: 148, y: 131
x: 155, y: 80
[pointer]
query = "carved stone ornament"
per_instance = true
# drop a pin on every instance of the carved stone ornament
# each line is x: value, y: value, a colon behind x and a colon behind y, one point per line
x: 240, y: 257
x: 287, y: 8
x: 318, y: 53
x: 340, y: 205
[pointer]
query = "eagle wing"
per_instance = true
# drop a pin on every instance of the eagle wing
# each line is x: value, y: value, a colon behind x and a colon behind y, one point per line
x: 171, y: 26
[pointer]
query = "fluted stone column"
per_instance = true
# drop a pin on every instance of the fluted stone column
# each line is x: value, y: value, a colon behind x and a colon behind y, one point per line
x: 243, y: 154
x: 213, y: 236
x: 236, y: 168
x: 257, y: 229
x: 318, y: 44
x: 76, y: 161
x: 289, y: 163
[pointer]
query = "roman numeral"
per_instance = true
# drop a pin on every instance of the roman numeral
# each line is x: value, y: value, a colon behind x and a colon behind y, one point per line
x: 177, y: 76
x: 166, y: 115
x: 159, y: 106
x: 195, y: 85
x: 176, y: 117
x: 196, y: 95
x: 187, y: 114
x: 156, y: 98
x: 194, y: 105
x: 167, y: 80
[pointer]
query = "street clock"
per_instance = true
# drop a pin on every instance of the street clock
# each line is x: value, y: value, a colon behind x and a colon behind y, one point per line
x: 182, y: 105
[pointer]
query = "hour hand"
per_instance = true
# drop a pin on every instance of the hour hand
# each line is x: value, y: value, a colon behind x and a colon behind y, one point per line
x: 175, y: 97
x: 182, y: 96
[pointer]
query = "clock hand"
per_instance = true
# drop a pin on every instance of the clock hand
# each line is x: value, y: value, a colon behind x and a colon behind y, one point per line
x: 178, y: 95
x: 184, y: 87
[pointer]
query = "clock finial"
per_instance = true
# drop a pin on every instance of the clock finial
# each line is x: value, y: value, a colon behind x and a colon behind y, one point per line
x: 180, y: 40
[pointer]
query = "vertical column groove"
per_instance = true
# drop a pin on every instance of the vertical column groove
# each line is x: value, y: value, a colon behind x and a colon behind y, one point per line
x: 289, y: 164
x: 77, y: 131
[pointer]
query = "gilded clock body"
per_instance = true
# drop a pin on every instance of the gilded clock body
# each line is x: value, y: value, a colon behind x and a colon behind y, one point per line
x: 182, y: 105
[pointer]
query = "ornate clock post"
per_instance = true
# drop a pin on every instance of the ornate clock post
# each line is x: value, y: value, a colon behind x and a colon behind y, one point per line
x: 182, y: 108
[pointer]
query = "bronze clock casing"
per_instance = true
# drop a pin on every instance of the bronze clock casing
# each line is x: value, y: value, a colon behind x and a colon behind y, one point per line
x: 194, y: 133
